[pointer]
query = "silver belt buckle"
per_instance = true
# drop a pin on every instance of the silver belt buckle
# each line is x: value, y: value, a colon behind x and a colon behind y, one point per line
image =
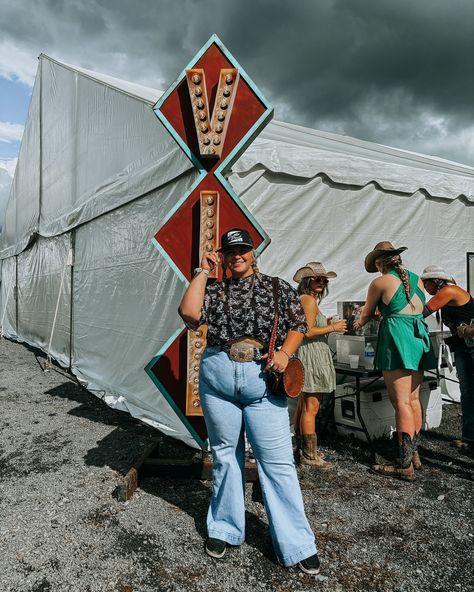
x: 241, y: 352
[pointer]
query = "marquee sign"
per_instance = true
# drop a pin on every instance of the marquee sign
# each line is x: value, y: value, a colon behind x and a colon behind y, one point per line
x: 213, y: 111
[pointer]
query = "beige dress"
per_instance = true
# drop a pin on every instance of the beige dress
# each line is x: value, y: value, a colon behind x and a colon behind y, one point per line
x: 314, y: 353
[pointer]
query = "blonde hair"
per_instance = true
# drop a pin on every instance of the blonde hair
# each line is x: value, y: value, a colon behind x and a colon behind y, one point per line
x: 395, y: 262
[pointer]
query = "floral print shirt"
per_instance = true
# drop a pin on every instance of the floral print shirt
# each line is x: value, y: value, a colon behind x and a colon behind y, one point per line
x: 245, y: 308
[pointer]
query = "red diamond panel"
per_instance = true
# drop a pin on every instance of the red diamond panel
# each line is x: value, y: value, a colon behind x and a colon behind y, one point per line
x: 246, y: 111
x: 180, y: 235
x: 170, y: 369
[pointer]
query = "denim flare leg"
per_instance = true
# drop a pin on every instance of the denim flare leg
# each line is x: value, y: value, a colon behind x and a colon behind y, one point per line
x: 235, y: 398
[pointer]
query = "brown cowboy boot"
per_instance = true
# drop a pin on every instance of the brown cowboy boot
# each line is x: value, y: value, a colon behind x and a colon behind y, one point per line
x: 296, y: 445
x: 404, y: 468
x: 416, y: 460
x: 309, y: 453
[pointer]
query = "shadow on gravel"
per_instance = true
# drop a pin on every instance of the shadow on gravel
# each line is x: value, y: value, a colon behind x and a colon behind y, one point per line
x: 192, y: 497
x: 91, y: 407
x: 448, y: 464
x: 437, y: 436
x: 121, y: 447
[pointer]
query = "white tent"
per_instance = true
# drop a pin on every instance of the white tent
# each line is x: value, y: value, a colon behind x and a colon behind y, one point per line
x: 96, y: 174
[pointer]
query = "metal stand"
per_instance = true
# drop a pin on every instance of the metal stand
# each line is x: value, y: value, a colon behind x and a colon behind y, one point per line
x: 358, y: 373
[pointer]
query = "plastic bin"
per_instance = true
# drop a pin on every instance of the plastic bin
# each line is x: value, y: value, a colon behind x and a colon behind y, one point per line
x: 377, y: 411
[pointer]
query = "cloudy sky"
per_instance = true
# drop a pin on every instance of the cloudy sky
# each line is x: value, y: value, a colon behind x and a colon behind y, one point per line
x: 397, y: 72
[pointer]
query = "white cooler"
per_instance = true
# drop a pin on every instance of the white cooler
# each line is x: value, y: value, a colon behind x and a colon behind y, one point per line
x: 377, y: 411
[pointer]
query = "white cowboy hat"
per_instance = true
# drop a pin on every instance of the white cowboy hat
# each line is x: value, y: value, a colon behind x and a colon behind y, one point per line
x: 435, y: 272
x: 313, y: 269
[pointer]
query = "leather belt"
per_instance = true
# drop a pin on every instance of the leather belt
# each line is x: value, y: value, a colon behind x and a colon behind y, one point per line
x: 243, y: 352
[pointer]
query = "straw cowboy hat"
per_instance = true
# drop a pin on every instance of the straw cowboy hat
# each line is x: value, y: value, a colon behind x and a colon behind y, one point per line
x: 435, y: 272
x: 312, y: 269
x: 384, y: 248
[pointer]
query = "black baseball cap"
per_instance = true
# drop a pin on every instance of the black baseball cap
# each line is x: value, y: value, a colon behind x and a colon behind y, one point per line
x: 236, y: 237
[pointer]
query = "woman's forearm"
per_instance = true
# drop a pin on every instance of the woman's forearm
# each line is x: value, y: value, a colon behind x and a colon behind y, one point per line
x: 292, y: 342
x: 426, y: 311
x: 364, y: 319
x: 317, y: 331
x: 192, y: 301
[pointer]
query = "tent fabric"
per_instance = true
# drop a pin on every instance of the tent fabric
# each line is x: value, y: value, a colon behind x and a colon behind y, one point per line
x: 98, y: 173
x: 5, y: 184
x: 288, y: 158
x: 22, y: 211
x: 311, y: 138
x: 100, y: 148
x: 40, y: 269
x: 144, y: 93
x: 8, y: 291
x: 108, y: 140
x: 126, y: 298
x: 317, y: 220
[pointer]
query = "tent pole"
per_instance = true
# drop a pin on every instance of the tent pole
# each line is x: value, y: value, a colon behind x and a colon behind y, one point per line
x: 16, y: 296
x: 48, y: 352
x: 71, y: 298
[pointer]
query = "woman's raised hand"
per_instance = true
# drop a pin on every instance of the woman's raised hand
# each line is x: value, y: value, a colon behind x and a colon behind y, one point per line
x: 210, y: 260
x: 340, y: 326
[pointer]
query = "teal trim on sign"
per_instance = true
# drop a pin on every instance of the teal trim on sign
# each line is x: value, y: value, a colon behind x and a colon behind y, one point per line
x: 179, y: 203
x: 202, y: 443
x: 169, y: 215
x: 170, y: 262
x: 219, y: 175
x: 184, y: 147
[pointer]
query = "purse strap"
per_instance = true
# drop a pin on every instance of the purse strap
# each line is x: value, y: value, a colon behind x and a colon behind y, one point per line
x: 271, y: 345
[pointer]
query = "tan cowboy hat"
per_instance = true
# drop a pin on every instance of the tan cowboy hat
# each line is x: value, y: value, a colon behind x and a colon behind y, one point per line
x: 312, y: 269
x: 384, y: 248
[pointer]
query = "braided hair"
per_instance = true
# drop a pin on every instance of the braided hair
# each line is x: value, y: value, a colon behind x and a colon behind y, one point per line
x: 395, y: 262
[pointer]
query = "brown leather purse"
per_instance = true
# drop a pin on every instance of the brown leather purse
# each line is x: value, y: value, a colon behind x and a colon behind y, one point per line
x: 290, y: 382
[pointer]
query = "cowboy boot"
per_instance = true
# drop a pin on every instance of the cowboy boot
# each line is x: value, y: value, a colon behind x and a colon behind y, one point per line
x: 387, y: 452
x: 309, y: 453
x: 416, y: 460
x: 404, y: 468
x: 296, y: 445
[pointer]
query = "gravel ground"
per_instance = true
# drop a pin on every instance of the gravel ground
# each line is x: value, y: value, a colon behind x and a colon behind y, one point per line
x: 63, y: 450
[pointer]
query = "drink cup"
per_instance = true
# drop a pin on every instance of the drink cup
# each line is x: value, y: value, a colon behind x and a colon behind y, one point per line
x: 353, y: 360
x: 334, y: 319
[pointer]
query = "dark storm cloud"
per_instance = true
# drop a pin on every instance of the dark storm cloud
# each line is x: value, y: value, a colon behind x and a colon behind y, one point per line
x: 397, y: 72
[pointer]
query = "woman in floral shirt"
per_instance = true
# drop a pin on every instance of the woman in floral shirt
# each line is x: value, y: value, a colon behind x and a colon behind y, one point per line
x: 235, y: 398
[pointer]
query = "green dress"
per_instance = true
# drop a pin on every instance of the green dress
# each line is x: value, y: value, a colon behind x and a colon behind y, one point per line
x: 403, y: 339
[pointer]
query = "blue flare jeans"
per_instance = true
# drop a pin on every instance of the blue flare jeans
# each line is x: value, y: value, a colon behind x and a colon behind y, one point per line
x: 235, y: 399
